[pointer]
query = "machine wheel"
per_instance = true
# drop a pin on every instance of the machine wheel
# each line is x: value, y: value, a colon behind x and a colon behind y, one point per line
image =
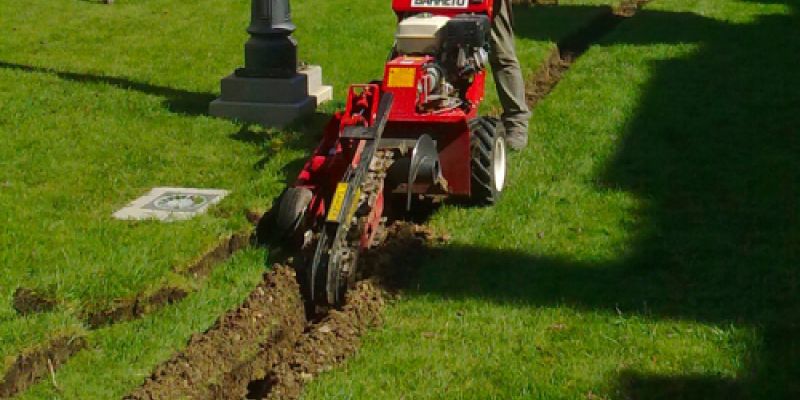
x: 488, y: 161
x: 282, y: 221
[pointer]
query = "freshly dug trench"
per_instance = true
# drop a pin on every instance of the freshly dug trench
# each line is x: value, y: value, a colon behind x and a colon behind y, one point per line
x: 130, y: 309
x: 28, y: 301
x: 276, y: 355
x: 326, y: 344
x: 273, y: 314
x: 223, y: 251
x: 573, y: 46
x: 385, y: 270
x: 29, y: 367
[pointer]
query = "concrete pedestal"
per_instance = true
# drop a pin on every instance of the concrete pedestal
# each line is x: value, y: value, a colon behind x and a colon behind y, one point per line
x: 316, y: 89
x: 271, y: 101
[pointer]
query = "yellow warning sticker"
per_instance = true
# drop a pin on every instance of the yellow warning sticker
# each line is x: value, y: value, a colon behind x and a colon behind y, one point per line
x: 336, y: 204
x: 401, y: 77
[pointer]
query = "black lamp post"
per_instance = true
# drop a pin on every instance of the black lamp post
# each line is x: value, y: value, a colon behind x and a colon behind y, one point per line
x: 271, y: 51
x: 269, y: 90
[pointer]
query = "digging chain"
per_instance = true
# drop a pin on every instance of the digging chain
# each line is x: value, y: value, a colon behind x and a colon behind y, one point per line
x: 370, y: 189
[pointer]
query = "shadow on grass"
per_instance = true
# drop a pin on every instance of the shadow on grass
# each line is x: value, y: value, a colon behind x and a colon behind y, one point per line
x: 176, y: 100
x: 713, y: 149
x: 688, y: 387
x: 303, y: 134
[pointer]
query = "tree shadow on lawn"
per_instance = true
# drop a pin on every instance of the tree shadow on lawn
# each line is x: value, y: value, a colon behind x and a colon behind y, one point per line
x: 713, y: 153
x: 176, y: 100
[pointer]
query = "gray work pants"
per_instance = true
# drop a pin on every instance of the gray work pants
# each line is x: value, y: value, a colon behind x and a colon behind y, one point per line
x: 507, y: 72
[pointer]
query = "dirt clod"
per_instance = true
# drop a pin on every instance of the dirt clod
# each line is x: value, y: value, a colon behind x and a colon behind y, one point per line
x: 27, y: 301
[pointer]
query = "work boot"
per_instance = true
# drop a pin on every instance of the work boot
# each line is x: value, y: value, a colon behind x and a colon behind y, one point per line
x: 517, y: 140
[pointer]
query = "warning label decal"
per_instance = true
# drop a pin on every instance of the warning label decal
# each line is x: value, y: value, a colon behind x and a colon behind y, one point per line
x: 401, y: 77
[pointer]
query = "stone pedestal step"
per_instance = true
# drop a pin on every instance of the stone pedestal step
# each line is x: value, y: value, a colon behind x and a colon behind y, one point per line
x: 267, y: 114
x: 265, y: 90
x: 270, y: 101
x: 322, y: 94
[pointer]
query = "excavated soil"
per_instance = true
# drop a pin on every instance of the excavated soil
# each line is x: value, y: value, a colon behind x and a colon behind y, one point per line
x: 385, y: 269
x: 326, y: 344
x: 30, y: 367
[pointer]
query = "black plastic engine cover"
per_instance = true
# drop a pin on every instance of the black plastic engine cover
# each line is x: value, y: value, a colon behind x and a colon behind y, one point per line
x: 468, y: 31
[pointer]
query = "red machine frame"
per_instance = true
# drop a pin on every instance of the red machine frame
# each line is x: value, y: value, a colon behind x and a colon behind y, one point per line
x: 400, y: 119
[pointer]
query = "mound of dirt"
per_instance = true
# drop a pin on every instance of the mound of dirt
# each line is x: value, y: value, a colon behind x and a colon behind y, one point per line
x: 394, y: 263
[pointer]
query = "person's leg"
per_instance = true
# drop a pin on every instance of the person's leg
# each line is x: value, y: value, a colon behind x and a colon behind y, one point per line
x: 508, y: 78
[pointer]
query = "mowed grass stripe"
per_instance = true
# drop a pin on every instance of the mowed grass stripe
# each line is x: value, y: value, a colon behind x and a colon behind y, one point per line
x: 645, y: 246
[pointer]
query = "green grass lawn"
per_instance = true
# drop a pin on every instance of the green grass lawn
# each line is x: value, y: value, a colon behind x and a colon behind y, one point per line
x: 647, y: 244
x: 101, y: 103
x: 646, y: 247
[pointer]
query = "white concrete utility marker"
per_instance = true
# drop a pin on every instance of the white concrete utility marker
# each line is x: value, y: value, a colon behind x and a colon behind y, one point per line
x: 171, y: 204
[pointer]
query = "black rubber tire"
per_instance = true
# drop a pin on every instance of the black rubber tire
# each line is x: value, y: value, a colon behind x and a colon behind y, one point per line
x: 279, y: 225
x: 484, y: 136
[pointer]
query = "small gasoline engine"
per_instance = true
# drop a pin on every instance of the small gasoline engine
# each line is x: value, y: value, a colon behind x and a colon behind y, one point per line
x: 415, y: 134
